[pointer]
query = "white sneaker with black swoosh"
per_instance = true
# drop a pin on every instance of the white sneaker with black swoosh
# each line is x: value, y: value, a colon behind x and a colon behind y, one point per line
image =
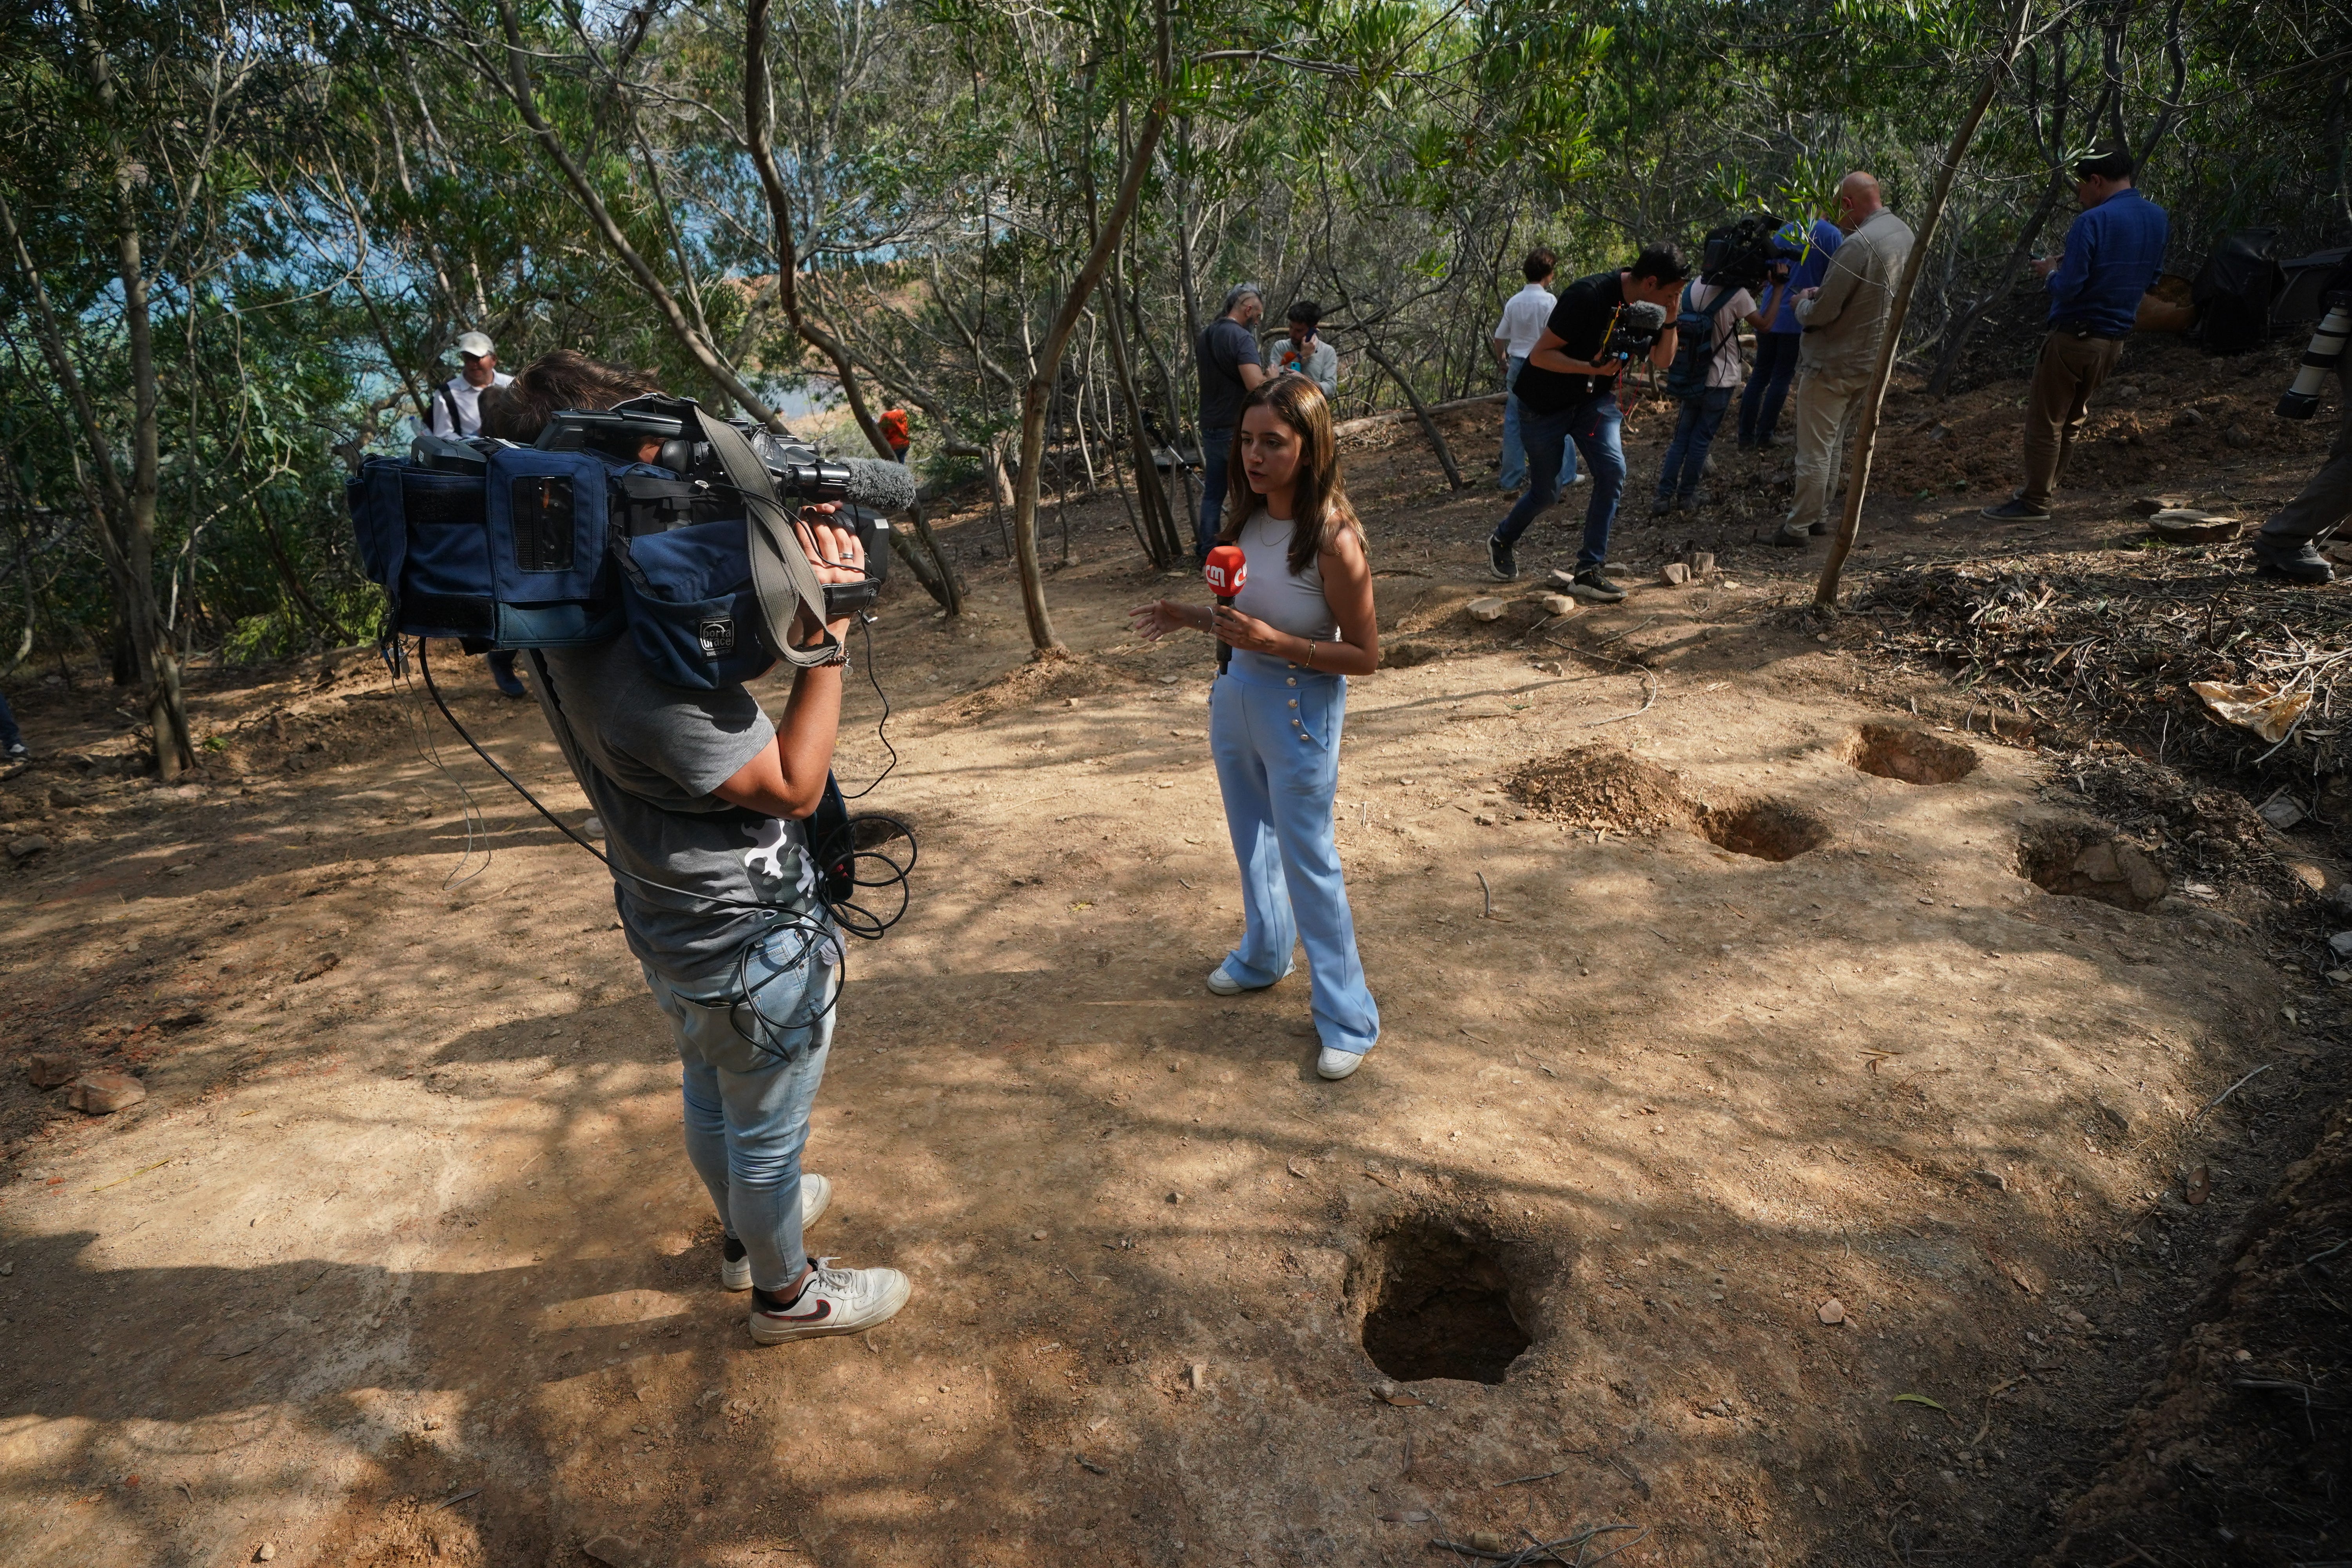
x: 831, y: 1301
x: 735, y: 1264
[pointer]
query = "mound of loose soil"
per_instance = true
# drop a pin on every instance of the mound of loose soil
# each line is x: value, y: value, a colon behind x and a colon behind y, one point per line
x: 1602, y: 788
x: 1040, y: 680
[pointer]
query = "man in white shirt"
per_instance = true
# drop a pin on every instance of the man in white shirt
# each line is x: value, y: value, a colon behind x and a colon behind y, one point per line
x: 1525, y: 315
x: 458, y: 411
x: 458, y: 403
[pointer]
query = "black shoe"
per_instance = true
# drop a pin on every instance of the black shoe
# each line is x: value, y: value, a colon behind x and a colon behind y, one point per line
x: 1593, y: 588
x: 1818, y: 529
x: 2017, y: 509
x: 502, y: 670
x: 1502, y: 561
x: 2296, y: 560
x: 1662, y: 505
x: 1792, y: 538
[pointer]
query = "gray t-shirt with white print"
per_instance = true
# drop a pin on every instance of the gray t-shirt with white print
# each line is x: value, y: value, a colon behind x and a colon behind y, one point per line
x: 648, y: 756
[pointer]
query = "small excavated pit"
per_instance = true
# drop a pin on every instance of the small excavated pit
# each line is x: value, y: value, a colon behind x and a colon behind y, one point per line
x: 1765, y: 828
x: 1440, y: 1306
x: 1603, y: 789
x: 2083, y: 860
x: 1912, y: 756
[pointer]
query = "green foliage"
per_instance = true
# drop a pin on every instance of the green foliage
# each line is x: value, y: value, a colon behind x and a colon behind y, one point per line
x: 317, y: 238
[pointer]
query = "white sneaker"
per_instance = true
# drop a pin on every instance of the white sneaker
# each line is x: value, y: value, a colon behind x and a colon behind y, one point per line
x: 1335, y: 1063
x: 1225, y: 984
x: 833, y: 1301
x: 816, y: 1196
x: 593, y: 828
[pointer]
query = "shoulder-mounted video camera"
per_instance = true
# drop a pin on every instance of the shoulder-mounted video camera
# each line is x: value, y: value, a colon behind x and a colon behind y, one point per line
x: 657, y: 432
x: 1633, y: 331
x: 1744, y: 255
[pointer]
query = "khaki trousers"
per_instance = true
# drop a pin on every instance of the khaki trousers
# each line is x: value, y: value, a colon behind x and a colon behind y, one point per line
x: 2069, y: 370
x: 1828, y: 398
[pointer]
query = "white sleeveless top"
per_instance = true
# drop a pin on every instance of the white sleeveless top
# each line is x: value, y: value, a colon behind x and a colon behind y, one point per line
x: 1272, y: 592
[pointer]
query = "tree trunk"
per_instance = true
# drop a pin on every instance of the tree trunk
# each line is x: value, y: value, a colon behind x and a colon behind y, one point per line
x: 1038, y: 394
x: 1948, y: 363
x: 1161, y: 543
x: 131, y: 562
x: 1865, y: 435
x: 1420, y: 410
x: 937, y: 577
x: 515, y: 84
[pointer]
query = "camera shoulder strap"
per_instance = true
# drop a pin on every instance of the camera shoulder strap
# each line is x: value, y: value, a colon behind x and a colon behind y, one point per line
x: 782, y: 578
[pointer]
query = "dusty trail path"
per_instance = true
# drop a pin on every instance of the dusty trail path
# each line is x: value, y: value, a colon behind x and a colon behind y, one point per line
x: 400, y: 1260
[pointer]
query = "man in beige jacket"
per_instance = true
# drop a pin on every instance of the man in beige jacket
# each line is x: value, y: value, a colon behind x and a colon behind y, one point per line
x: 1844, y: 321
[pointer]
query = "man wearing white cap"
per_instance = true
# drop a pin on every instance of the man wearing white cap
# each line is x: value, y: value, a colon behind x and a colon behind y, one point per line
x: 458, y: 411
x: 457, y: 402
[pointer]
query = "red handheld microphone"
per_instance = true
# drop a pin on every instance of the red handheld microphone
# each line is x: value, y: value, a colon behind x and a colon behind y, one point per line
x: 1227, y: 570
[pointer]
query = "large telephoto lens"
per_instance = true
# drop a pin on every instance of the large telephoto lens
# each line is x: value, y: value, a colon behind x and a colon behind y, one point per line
x: 2301, y: 400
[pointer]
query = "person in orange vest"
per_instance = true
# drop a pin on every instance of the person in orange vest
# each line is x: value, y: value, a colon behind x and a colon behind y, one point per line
x: 894, y: 430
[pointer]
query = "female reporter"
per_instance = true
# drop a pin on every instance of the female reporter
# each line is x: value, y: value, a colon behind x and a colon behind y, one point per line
x: 1301, y: 625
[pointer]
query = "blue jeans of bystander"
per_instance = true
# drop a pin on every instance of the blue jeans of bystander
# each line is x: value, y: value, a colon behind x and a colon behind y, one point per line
x: 1593, y: 424
x: 1693, y: 434
x: 1768, y: 386
x: 1215, y: 447
x: 1513, y: 473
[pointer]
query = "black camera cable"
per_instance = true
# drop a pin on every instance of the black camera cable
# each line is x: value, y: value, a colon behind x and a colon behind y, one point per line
x: 849, y: 917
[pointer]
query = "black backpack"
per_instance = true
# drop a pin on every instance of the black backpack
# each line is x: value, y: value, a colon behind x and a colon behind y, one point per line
x: 2235, y: 290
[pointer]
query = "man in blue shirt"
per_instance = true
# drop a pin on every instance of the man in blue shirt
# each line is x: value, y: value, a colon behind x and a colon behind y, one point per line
x: 2113, y: 255
x: 1806, y: 253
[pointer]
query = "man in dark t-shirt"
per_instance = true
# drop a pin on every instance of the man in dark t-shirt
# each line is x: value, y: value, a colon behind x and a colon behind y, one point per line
x: 1230, y: 367
x: 1569, y: 393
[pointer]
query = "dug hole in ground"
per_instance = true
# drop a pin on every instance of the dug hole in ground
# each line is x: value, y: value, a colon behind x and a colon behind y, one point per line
x: 1798, y: 1135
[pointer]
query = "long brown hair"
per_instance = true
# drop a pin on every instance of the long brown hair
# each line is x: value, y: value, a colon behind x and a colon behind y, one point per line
x: 557, y: 380
x: 1321, y: 511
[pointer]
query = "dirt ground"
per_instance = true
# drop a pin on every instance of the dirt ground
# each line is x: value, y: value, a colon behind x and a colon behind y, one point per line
x: 1759, y: 1155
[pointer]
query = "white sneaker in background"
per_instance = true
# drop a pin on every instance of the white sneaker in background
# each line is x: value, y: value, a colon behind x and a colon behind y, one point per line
x: 594, y: 827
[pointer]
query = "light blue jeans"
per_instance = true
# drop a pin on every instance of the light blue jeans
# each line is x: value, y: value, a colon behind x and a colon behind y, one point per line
x: 1514, y: 471
x: 746, y: 1104
x: 1274, y: 730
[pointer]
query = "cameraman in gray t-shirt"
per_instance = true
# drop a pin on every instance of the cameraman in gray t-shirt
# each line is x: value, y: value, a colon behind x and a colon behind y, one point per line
x: 703, y: 801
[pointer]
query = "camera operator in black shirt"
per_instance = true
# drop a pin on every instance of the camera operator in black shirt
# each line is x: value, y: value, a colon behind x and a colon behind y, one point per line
x: 1569, y: 391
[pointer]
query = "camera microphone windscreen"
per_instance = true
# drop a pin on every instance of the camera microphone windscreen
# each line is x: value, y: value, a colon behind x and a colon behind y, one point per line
x: 884, y: 485
x: 1647, y: 317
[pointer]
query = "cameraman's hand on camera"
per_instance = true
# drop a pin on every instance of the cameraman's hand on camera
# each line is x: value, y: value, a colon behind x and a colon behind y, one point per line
x: 834, y: 554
